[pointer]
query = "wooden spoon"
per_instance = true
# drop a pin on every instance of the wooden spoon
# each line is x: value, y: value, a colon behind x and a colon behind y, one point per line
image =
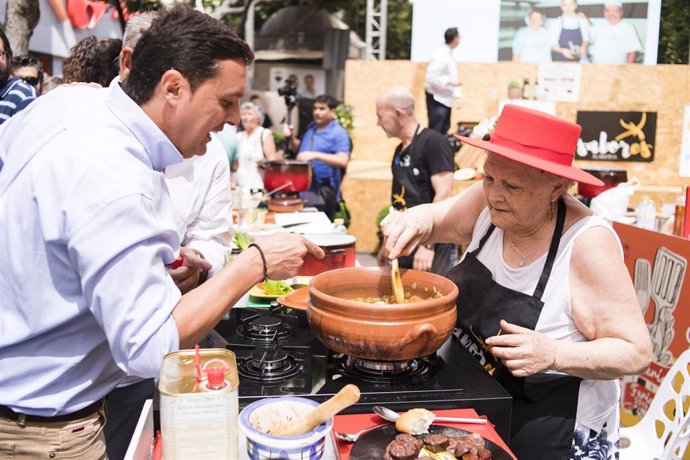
x: 327, y: 409
x: 396, y: 279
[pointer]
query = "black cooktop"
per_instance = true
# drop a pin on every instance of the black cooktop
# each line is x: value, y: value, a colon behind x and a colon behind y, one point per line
x: 278, y: 355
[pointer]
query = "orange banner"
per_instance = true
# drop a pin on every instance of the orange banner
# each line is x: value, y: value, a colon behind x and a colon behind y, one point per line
x: 658, y: 266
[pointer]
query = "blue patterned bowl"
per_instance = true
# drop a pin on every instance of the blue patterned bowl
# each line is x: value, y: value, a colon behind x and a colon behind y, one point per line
x: 258, y: 417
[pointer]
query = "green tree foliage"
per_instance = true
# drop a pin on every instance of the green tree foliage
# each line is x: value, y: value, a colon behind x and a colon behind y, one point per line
x: 352, y: 13
x: 674, y: 33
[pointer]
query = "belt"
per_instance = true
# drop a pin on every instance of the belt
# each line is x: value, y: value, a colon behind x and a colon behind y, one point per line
x: 7, y: 413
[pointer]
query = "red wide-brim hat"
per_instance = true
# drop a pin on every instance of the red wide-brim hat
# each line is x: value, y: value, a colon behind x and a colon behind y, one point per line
x: 536, y: 139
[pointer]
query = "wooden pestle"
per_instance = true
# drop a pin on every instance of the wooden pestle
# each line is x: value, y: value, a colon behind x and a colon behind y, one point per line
x: 346, y: 397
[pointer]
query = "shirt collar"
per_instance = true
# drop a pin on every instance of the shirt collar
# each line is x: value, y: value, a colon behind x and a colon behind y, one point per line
x: 160, y: 152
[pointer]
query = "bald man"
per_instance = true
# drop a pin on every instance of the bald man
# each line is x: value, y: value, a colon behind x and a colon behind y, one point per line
x: 422, y: 172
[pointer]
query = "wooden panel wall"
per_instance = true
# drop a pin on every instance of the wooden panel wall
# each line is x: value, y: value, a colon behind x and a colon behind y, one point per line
x: 664, y: 89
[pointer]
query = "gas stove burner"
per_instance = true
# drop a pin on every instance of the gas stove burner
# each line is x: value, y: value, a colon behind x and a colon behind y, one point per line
x: 270, y: 365
x: 265, y: 328
x: 384, y: 372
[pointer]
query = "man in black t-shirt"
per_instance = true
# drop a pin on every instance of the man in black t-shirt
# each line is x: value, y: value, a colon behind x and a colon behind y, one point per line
x: 422, y: 172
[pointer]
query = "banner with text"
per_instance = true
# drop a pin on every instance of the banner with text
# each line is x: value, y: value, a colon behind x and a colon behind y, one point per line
x: 617, y: 136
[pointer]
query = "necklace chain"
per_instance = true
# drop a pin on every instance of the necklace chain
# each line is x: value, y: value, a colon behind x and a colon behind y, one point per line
x: 524, y: 256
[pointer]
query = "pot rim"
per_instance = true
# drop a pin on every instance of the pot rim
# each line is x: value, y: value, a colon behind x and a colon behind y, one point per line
x: 285, y: 162
x: 320, y: 239
x: 367, y: 308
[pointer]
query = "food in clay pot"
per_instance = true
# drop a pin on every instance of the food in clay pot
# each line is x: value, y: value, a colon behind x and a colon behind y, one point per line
x: 381, y: 332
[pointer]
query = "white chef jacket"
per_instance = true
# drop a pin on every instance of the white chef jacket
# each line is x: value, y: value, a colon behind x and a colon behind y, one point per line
x: 86, y: 229
x: 441, y: 72
x: 200, y: 190
x: 611, y: 43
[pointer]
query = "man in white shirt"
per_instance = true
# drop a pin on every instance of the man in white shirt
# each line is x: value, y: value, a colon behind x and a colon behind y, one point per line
x: 200, y: 190
x: 86, y: 229
x: 614, y: 41
x: 442, y: 85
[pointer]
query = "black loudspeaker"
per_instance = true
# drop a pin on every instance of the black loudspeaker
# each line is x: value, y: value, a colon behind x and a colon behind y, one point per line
x: 336, y: 47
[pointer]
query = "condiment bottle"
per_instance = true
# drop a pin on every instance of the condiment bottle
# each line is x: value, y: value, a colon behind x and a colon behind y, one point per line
x: 679, y: 216
x: 339, y: 226
x: 646, y: 214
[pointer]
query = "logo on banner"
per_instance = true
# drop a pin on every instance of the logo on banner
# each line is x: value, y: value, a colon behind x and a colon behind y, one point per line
x: 617, y: 136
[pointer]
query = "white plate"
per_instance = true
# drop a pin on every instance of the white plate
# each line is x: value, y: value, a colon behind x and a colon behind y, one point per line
x: 465, y: 174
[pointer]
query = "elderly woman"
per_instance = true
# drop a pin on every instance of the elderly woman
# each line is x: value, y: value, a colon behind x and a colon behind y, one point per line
x: 255, y: 144
x: 546, y: 303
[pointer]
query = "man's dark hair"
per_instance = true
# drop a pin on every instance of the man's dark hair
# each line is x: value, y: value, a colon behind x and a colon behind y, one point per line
x: 328, y: 100
x: 5, y: 42
x: 186, y: 40
x: 29, y: 61
x: 451, y: 34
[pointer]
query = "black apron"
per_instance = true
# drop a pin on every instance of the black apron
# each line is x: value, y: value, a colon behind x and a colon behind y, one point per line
x: 444, y: 253
x: 567, y: 38
x: 544, y: 405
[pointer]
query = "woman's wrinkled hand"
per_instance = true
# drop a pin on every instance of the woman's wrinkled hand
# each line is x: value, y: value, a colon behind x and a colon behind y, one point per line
x: 403, y: 231
x: 523, y: 351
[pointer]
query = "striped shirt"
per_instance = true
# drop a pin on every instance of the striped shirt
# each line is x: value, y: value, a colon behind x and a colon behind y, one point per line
x: 14, y: 97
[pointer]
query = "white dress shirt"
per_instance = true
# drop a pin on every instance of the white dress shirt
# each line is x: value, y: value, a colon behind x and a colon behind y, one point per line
x: 200, y: 190
x: 86, y: 229
x: 441, y: 73
x: 611, y: 43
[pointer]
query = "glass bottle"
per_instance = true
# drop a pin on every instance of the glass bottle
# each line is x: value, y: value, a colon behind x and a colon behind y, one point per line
x: 679, y: 216
x: 646, y: 214
x: 526, y: 89
x: 339, y: 226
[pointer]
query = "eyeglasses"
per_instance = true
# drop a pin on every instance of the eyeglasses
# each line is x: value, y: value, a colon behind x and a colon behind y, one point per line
x: 33, y: 81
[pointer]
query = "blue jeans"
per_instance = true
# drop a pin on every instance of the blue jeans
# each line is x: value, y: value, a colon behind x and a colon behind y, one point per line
x: 124, y: 405
x: 439, y: 115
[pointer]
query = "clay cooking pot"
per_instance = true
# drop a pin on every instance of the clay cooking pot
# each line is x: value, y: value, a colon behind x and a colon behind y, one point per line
x: 380, y: 332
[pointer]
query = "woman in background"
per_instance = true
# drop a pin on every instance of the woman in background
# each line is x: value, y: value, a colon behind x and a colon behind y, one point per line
x: 93, y: 60
x: 255, y: 144
x: 569, y: 34
x: 532, y: 44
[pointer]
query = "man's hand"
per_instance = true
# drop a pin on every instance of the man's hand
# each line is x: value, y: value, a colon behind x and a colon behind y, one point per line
x: 285, y: 253
x: 523, y: 351
x: 423, y: 259
x: 186, y: 276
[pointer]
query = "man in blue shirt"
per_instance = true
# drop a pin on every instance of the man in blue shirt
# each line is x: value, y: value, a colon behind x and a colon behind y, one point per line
x: 15, y: 94
x: 88, y: 235
x: 326, y: 145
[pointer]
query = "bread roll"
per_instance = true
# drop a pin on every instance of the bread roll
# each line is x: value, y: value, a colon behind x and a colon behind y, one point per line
x: 415, y: 421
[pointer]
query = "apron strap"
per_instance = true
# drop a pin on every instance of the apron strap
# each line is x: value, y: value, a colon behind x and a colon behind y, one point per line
x: 553, y: 250
x: 486, y: 236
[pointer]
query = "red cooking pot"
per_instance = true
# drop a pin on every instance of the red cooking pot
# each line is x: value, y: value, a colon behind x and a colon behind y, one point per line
x: 610, y: 176
x: 339, y: 249
x: 287, y: 176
